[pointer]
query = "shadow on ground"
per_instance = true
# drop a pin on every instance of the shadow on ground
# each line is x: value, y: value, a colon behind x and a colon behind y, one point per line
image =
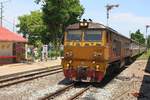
x: 145, y: 87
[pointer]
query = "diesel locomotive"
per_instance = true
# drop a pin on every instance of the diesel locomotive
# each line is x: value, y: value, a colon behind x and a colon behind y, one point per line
x: 90, y: 48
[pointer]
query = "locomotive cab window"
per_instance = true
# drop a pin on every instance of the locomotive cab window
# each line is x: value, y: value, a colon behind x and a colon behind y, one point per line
x: 92, y: 35
x: 74, y: 35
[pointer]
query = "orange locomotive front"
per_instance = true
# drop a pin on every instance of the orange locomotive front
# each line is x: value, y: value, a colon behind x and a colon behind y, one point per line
x: 86, y: 55
x: 92, y: 49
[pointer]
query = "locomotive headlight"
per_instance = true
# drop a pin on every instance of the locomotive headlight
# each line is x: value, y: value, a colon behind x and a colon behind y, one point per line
x: 94, y: 54
x: 93, y: 62
x: 70, y: 61
x: 81, y: 24
x: 97, y: 67
x: 69, y: 54
x: 85, y: 24
x: 67, y: 66
x: 97, y: 54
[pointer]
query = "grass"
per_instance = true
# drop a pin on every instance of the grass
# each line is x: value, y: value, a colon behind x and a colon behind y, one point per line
x: 145, y: 55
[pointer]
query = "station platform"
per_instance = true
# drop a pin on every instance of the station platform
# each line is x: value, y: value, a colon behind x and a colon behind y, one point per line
x: 22, y: 67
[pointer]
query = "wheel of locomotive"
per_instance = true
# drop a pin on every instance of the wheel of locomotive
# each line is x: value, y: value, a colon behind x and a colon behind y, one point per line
x: 109, y: 70
x: 117, y: 67
x: 129, y: 61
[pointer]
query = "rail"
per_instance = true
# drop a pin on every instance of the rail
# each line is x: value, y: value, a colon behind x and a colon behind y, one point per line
x: 27, y: 76
x: 61, y: 91
x: 58, y: 92
x: 74, y: 97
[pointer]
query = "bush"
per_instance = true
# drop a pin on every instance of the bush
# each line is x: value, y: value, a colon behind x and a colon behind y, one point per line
x: 55, y: 53
x: 61, y: 53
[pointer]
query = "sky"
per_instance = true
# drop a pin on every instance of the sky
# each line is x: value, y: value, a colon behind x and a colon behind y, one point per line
x: 130, y: 16
x: 12, y: 9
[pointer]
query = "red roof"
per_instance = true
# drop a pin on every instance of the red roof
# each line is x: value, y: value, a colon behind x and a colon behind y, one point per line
x: 6, y: 35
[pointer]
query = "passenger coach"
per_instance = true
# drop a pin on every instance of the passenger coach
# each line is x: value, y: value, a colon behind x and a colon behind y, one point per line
x: 90, y: 50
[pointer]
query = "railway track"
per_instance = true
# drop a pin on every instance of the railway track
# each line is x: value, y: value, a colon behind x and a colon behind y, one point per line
x: 68, y: 88
x: 77, y: 95
x: 13, y: 79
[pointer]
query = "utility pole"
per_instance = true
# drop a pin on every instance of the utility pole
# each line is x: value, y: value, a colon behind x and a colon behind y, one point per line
x: 108, y: 8
x: 1, y: 10
x: 14, y: 25
x: 147, y: 26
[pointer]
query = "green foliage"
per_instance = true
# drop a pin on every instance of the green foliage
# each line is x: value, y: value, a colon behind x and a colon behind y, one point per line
x: 61, y: 53
x: 48, y: 26
x: 57, y: 14
x: 138, y: 36
x: 33, y: 26
x: 53, y: 53
x: 145, y: 55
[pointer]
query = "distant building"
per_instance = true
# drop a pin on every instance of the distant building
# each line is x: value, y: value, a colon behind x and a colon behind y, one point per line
x: 12, y: 46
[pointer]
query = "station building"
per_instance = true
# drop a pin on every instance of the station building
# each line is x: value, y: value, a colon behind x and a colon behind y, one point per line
x: 12, y: 47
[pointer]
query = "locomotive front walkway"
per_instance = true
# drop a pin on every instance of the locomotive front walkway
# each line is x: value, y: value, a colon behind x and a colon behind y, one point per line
x: 22, y: 67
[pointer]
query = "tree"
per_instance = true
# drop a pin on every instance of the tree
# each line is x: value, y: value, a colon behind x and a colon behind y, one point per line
x: 57, y: 14
x: 138, y: 36
x: 33, y: 26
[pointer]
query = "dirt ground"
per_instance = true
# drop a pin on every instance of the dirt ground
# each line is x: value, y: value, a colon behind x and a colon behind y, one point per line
x: 135, y: 75
x: 133, y: 83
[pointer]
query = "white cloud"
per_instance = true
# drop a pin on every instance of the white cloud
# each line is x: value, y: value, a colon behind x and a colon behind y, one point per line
x: 128, y: 22
x: 130, y: 18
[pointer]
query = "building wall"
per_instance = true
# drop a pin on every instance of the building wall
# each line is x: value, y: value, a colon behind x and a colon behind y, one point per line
x: 6, y: 48
x: 12, y: 49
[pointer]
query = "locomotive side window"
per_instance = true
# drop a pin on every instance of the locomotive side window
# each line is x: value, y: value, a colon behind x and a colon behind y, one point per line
x: 108, y: 36
x: 74, y: 35
x: 92, y: 35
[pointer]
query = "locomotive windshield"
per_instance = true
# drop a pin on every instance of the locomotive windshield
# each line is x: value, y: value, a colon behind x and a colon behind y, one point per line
x: 92, y: 35
x: 74, y: 35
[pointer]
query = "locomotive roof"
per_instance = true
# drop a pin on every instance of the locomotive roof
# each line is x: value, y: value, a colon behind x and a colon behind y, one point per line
x: 91, y: 26
x: 94, y: 26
